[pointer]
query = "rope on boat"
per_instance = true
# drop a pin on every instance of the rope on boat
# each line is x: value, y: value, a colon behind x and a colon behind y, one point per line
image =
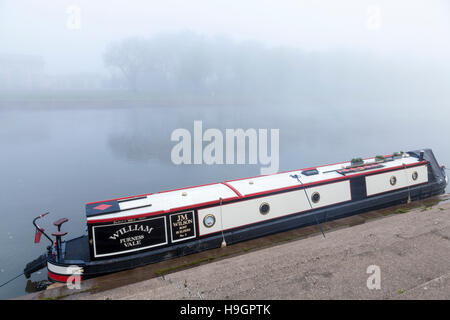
x: 307, y: 197
x: 4, y: 284
x: 224, y: 243
x: 407, y: 181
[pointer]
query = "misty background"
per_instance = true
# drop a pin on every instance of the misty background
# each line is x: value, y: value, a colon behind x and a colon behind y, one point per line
x: 90, y: 92
x: 225, y: 51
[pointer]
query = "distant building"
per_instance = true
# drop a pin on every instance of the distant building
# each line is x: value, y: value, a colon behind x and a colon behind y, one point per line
x: 27, y: 72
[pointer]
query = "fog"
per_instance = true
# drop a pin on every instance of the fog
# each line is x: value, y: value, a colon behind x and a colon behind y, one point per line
x: 90, y: 92
x: 65, y: 41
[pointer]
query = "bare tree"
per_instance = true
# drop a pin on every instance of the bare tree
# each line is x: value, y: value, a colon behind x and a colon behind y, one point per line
x: 129, y: 56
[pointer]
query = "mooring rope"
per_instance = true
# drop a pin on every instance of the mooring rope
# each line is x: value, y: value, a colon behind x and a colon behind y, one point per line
x: 407, y: 181
x: 224, y: 243
x: 4, y: 284
x: 307, y: 198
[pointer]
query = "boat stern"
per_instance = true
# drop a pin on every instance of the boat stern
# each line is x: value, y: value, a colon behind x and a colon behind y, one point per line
x: 63, y: 272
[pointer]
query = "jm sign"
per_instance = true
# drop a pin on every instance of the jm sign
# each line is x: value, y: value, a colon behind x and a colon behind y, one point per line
x: 182, y: 226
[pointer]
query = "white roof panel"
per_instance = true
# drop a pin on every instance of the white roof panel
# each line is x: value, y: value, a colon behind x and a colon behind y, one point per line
x: 165, y: 201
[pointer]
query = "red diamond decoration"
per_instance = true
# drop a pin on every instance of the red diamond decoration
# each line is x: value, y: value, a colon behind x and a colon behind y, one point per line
x: 102, y: 207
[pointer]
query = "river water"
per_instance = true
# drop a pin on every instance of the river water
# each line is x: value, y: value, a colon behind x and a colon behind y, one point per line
x: 58, y: 159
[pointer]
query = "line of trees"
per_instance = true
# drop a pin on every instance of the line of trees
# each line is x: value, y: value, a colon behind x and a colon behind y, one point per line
x: 189, y: 63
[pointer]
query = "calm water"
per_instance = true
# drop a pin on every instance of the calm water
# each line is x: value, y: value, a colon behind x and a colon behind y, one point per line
x: 53, y: 160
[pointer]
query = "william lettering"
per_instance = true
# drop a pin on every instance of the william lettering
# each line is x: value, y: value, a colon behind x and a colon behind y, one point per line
x: 130, y: 228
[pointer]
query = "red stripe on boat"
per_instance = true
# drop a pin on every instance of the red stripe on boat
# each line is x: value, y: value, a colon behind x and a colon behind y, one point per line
x: 150, y: 214
x: 123, y: 198
x: 60, y: 278
x: 233, y: 188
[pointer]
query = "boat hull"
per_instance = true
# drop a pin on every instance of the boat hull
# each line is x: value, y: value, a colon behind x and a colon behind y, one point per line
x: 357, y: 196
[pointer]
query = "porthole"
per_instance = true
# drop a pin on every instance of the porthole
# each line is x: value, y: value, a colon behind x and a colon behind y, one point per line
x: 264, y: 208
x: 315, y: 197
x: 415, y: 175
x: 393, y: 180
x: 209, y: 220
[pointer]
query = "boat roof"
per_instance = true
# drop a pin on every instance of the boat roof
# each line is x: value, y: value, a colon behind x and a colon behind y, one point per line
x: 186, y: 198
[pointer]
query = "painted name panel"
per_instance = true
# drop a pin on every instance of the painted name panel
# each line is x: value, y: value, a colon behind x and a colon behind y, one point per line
x: 126, y: 237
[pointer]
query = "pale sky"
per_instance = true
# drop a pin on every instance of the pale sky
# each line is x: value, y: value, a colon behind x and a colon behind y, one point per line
x: 411, y: 28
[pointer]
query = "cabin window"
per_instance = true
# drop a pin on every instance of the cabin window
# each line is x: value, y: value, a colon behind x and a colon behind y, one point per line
x: 393, y: 180
x: 315, y: 197
x: 264, y: 208
x: 209, y: 220
x: 415, y: 175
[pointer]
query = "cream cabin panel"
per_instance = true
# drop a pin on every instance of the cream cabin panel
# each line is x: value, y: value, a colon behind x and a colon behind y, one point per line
x: 380, y: 183
x: 247, y: 211
x: 331, y: 193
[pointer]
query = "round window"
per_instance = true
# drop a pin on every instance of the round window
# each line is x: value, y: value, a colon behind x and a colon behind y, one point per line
x: 209, y: 220
x: 393, y: 180
x: 415, y: 175
x: 315, y: 197
x: 264, y: 208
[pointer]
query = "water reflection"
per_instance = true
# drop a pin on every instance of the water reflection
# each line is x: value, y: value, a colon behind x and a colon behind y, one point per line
x: 35, y: 286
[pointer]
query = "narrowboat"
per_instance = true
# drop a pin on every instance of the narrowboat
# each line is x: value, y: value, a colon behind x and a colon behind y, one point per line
x: 129, y: 232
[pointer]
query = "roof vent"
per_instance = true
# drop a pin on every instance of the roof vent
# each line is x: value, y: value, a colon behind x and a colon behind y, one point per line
x: 310, y: 172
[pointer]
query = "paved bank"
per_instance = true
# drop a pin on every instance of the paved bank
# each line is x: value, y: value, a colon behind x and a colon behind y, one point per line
x: 412, y: 250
